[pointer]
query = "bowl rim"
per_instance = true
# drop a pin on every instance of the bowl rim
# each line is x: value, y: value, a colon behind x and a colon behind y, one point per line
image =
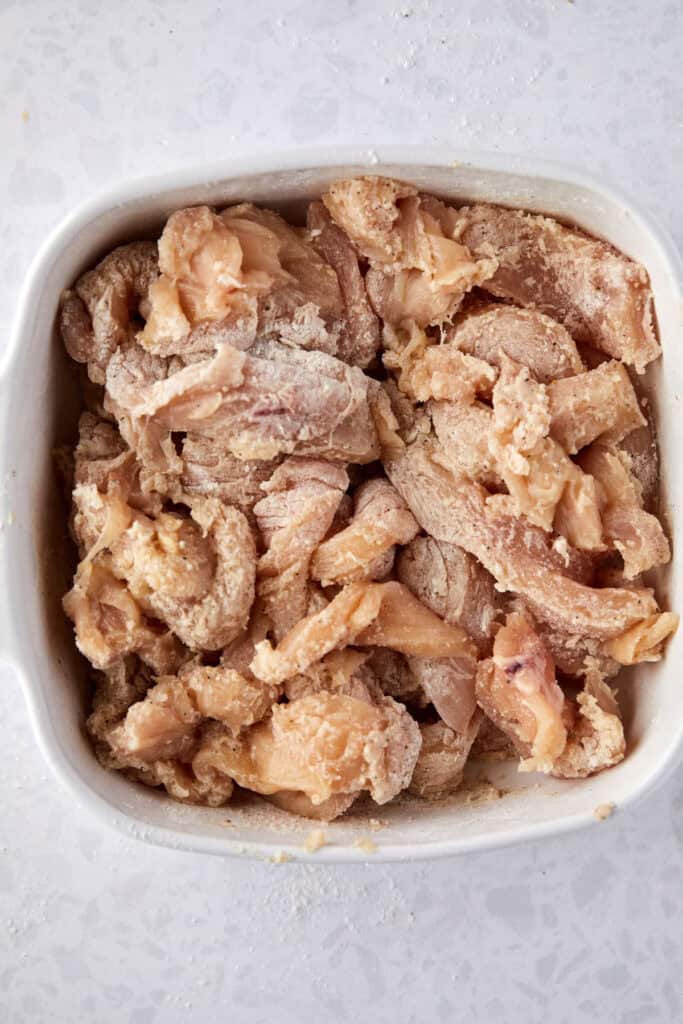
x: 373, y: 161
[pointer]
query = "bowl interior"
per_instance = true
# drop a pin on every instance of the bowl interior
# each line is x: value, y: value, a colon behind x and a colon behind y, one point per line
x: 39, y: 412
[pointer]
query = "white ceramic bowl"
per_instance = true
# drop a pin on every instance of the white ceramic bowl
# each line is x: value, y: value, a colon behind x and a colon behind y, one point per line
x: 38, y: 410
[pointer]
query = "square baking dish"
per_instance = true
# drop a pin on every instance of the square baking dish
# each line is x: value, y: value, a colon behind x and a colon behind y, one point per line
x: 39, y: 405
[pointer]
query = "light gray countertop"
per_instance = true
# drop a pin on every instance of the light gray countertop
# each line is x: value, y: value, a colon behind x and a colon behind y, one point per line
x: 96, y: 927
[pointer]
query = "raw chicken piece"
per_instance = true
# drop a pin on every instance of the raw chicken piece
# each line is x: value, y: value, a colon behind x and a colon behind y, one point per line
x: 315, y: 636
x: 441, y: 761
x: 97, y: 519
x: 98, y: 452
x: 179, y: 779
x: 405, y: 625
x: 197, y: 778
x: 97, y: 317
x: 366, y: 208
x: 196, y: 575
x: 454, y: 585
x: 572, y: 653
x: 611, y: 468
x: 527, y: 336
x: 517, y: 690
x: 125, y: 683
x: 577, y: 516
x: 297, y: 472
x: 543, y: 483
x: 305, y: 306
x: 598, y: 403
x: 465, y: 433
x: 132, y: 370
x: 380, y: 521
x: 374, y: 614
x: 161, y: 650
x: 211, y: 471
x: 359, y: 341
x: 102, y: 458
x: 636, y: 534
x: 643, y: 641
x: 638, y: 537
x: 446, y: 373
x: 76, y: 330
x: 600, y: 296
x: 537, y: 492
x: 239, y: 654
x: 207, y: 274
x: 338, y: 672
x: 132, y: 366
x: 206, y: 786
x: 238, y: 329
x: 282, y: 402
x: 640, y: 447
x: 521, y: 414
x: 164, y: 725
x: 448, y: 683
x: 534, y: 469
x: 237, y: 701
x: 394, y: 677
x: 298, y: 510
x: 454, y: 509
x: 556, y: 555
x: 211, y: 784
x: 413, y: 294
x: 426, y: 370
x: 109, y: 623
x: 381, y: 569
x: 325, y: 744
x: 431, y: 276
x: 596, y: 740
x: 160, y: 726
x: 299, y: 803
x: 418, y: 271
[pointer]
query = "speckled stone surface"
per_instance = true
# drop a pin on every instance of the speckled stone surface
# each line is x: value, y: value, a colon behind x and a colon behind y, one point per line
x: 94, y: 927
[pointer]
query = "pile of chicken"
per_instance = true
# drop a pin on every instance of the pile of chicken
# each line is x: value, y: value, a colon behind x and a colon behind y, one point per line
x: 355, y: 500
